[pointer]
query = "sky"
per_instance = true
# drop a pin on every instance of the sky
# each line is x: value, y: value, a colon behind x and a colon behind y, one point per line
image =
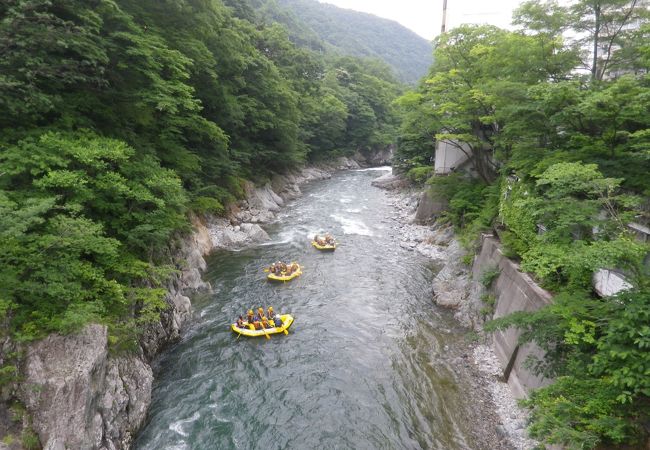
x: 425, y: 16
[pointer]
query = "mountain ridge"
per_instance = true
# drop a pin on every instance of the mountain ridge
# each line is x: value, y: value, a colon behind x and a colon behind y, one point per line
x: 354, y: 33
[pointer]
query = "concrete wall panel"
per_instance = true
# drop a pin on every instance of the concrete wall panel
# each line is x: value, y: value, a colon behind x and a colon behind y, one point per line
x: 514, y: 291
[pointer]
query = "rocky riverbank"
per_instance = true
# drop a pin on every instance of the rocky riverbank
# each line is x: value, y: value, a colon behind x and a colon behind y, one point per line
x: 76, y: 393
x: 500, y: 423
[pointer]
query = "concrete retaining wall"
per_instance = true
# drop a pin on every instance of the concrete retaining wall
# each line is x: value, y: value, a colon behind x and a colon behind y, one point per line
x: 514, y: 291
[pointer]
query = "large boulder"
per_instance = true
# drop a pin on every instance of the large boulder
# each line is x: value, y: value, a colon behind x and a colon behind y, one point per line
x: 389, y: 181
x: 380, y: 157
x: 430, y: 207
x: 263, y: 198
x: 63, y: 379
x: 344, y: 163
x: 126, y: 399
x: 451, y: 286
x: 233, y: 237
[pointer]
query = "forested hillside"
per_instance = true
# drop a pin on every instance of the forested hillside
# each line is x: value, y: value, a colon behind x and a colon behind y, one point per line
x: 562, y: 157
x: 345, y: 32
x: 120, y: 117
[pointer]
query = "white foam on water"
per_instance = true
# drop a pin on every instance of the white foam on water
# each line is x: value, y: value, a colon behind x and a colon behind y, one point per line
x: 352, y: 226
x: 276, y: 242
x: 345, y: 200
x: 382, y: 168
x: 182, y: 445
x: 177, y: 426
x: 353, y: 210
x: 294, y: 236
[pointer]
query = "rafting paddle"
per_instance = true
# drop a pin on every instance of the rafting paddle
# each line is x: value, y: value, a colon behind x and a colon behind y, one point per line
x: 264, y: 330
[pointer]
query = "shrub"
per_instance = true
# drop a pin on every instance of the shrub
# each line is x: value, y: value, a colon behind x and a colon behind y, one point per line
x: 419, y: 174
x: 30, y: 440
x: 489, y: 302
x: 207, y: 205
x: 489, y: 275
x: 8, y: 374
x: 468, y: 259
x: 579, y: 414
x: 597, y: 349
x: 472, y: 203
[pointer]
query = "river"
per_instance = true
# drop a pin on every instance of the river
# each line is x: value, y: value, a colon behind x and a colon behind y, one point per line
x: 366, y: 365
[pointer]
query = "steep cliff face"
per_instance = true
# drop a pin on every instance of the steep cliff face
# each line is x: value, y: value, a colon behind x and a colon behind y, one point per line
x: 377, y: 157
x: 190, y: 263
x: 81, y: 396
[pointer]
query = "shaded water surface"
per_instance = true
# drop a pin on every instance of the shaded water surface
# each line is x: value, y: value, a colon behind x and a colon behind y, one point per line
x: 364, y: 365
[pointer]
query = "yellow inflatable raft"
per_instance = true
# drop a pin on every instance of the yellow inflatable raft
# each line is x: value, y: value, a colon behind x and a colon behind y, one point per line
x: 294, y: 274
x: 287, y: 320
x: 326, y: 247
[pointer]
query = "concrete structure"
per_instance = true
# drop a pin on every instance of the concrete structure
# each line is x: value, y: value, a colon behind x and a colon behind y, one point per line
x: 450, y: 156
x: 641, y: 232
x: 608, y: 282
x: 514, y: 291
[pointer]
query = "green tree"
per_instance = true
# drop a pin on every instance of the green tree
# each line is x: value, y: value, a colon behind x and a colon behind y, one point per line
x: 605, y: 28
x: 119, y: 115
x: 598, y: 350
x: 479, y: 73
x: 85, y: 223
x: 607, y: 25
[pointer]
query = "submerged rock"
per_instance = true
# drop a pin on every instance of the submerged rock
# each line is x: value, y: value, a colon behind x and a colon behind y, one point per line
x: 389, y: 181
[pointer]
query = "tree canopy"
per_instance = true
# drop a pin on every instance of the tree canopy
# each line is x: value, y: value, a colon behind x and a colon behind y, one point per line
x: 120, y: 116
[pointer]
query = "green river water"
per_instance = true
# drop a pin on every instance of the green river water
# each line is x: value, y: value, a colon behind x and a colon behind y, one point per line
x: 365, y: 365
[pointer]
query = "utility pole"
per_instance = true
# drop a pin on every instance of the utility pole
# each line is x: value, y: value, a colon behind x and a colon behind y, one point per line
x: 444, y: 16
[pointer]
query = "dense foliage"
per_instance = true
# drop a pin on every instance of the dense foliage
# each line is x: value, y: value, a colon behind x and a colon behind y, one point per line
x: 120, y: 116
x: 555, y: 122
